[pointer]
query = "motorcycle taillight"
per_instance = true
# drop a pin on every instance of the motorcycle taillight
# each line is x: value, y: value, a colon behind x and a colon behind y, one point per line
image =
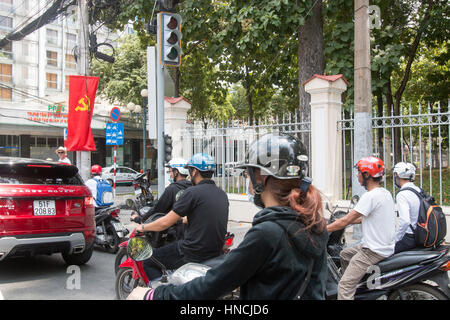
x: 115, y: 213
x: 229, y: 239
x: 136, y: 185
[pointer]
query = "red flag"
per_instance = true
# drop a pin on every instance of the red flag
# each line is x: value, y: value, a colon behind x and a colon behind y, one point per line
x: 82, y: 91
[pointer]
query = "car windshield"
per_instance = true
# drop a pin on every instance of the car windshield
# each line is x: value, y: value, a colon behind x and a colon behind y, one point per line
x: 39, y: 174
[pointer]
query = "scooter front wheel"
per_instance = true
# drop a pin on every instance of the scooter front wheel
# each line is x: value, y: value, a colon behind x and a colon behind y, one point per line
x: 125, y: 283
x: 121, y: 256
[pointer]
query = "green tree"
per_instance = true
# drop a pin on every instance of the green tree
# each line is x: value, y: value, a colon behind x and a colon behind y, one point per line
x: 124, y: 79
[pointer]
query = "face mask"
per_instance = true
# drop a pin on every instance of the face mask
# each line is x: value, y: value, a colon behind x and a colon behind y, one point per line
x: 257, y: 201
x: 396, y: 182
x: 171, y: 180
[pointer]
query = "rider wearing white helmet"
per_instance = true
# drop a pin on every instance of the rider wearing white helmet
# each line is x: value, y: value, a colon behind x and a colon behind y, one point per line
x: 408, y: 205
x: 178, y: 178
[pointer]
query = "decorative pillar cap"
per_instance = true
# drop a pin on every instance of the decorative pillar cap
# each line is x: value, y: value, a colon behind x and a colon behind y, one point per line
x: 325, y: 77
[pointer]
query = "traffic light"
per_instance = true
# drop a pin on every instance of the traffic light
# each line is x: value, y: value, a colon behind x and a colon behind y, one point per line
x: 167, y: 148
x: 170, y: 35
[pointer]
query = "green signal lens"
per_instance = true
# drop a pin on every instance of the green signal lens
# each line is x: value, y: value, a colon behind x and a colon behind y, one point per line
x: 173, y: 54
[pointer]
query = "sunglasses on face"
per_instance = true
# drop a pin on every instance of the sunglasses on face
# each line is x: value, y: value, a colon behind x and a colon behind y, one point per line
x: 60, y: 152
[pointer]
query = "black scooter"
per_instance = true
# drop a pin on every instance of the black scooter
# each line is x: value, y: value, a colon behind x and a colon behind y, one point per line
x: 419, y: 274
x: 110, y: 232
x: 143, y: 192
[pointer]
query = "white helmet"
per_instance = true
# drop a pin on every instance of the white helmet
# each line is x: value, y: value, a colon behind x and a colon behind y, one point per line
x: 179, y: 164
x: 405, y: 170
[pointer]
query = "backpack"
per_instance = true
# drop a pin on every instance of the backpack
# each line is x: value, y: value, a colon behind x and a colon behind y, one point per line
x: 431, y: 227
x: 104, y: 194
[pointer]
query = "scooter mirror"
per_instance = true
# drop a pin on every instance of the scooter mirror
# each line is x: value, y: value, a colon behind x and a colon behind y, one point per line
x: 354, y: 199
x: 139, y: 249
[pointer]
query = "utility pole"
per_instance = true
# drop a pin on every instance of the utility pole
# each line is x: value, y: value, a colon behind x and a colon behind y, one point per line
x: 83, y: 157
x: 160, y: 109
x: 363, y: 95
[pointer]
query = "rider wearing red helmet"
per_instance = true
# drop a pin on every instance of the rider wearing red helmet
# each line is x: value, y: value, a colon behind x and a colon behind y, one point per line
x: 375, y: 211
x: 96, y: 170
x: 105, y: 198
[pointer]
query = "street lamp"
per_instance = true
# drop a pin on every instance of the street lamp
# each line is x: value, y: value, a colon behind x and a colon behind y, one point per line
x: 144, y: 94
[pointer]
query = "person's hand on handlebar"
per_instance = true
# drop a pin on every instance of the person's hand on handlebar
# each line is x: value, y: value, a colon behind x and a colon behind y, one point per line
x: 140, y: 229
x: 135, y: 217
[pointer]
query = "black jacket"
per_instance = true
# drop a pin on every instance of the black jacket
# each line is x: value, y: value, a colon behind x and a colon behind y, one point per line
x: 168, y: 198
x: 270, y: 263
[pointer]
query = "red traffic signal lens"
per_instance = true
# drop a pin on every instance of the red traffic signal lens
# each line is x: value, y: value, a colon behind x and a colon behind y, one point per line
x: 173, y: 23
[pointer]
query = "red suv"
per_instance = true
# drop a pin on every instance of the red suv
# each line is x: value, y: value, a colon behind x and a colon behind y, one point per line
x: 45, y: 208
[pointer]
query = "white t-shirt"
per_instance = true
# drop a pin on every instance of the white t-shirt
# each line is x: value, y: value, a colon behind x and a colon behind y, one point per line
x: 378, y: 221
x: 66, y: 160
x: 408, y: 206
x: 92, y: 185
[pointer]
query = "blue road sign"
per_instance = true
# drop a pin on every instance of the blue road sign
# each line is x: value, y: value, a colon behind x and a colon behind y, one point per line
x: 114, y: 133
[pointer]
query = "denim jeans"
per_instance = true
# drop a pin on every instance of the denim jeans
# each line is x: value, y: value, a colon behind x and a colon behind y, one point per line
x: 169, y: 255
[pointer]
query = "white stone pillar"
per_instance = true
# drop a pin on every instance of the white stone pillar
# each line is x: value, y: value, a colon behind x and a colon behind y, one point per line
x: 326, y: 139
x: 175, y: 116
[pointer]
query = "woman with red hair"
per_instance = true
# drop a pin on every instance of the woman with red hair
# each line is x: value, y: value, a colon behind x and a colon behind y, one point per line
x: 283, y: 255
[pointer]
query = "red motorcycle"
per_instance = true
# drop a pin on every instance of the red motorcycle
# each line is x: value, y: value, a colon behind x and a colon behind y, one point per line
x: 131, y: 273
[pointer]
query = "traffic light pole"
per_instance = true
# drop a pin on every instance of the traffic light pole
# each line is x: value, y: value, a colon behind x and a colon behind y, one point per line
x: 160, y: 111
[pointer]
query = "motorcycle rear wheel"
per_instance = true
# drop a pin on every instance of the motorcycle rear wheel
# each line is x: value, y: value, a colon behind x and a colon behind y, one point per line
x: 419, y: 291
x: 125, y: 283
x: 113, y: 245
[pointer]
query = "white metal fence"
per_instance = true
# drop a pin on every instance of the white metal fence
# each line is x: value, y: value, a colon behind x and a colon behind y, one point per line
x: 228, y: 143
x: 423, y: 130
x: 424, y: 134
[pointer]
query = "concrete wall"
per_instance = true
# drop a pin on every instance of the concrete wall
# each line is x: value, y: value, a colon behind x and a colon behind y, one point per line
x: 242, y: 210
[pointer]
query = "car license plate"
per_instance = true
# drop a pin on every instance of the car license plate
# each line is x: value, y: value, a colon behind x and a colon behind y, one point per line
x: 137, y: 191
x: 118, y: 226
x: 44, y: 208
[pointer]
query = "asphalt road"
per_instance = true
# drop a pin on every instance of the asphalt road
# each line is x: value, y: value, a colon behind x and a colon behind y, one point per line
x: 49, y: 278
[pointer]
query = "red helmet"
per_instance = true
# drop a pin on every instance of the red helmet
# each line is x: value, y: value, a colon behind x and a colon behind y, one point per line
x: 96, y: 169
x: 372, y: 165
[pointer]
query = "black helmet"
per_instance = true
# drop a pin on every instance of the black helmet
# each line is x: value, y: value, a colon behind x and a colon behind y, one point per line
x: 280, y: 155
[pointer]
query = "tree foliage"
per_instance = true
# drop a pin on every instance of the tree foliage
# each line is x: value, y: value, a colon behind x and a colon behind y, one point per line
x: 240, y: 58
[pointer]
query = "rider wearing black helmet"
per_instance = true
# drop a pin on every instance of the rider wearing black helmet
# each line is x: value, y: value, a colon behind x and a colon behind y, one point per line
x: 205, y: 207
x: 287, y: 241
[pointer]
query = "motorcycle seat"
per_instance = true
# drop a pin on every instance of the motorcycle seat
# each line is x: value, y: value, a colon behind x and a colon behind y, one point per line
x: 407, y: 258
x: 214, y: 262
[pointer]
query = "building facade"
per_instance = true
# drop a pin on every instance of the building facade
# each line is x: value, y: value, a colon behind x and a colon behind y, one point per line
x: 34, y: 84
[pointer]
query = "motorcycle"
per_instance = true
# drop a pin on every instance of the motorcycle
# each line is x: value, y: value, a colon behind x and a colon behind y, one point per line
x: 143, y: 193
x: 419, y: 274
x: 131, y: 272
x: 157, y: 239
x: 110, y: 232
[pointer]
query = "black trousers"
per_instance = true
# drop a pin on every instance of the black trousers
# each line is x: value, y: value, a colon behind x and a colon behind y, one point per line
x: 169, y: 255
x: 406, y: 243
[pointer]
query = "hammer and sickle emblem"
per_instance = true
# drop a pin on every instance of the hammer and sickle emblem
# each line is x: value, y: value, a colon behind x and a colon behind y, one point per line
x: 85, y: 106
